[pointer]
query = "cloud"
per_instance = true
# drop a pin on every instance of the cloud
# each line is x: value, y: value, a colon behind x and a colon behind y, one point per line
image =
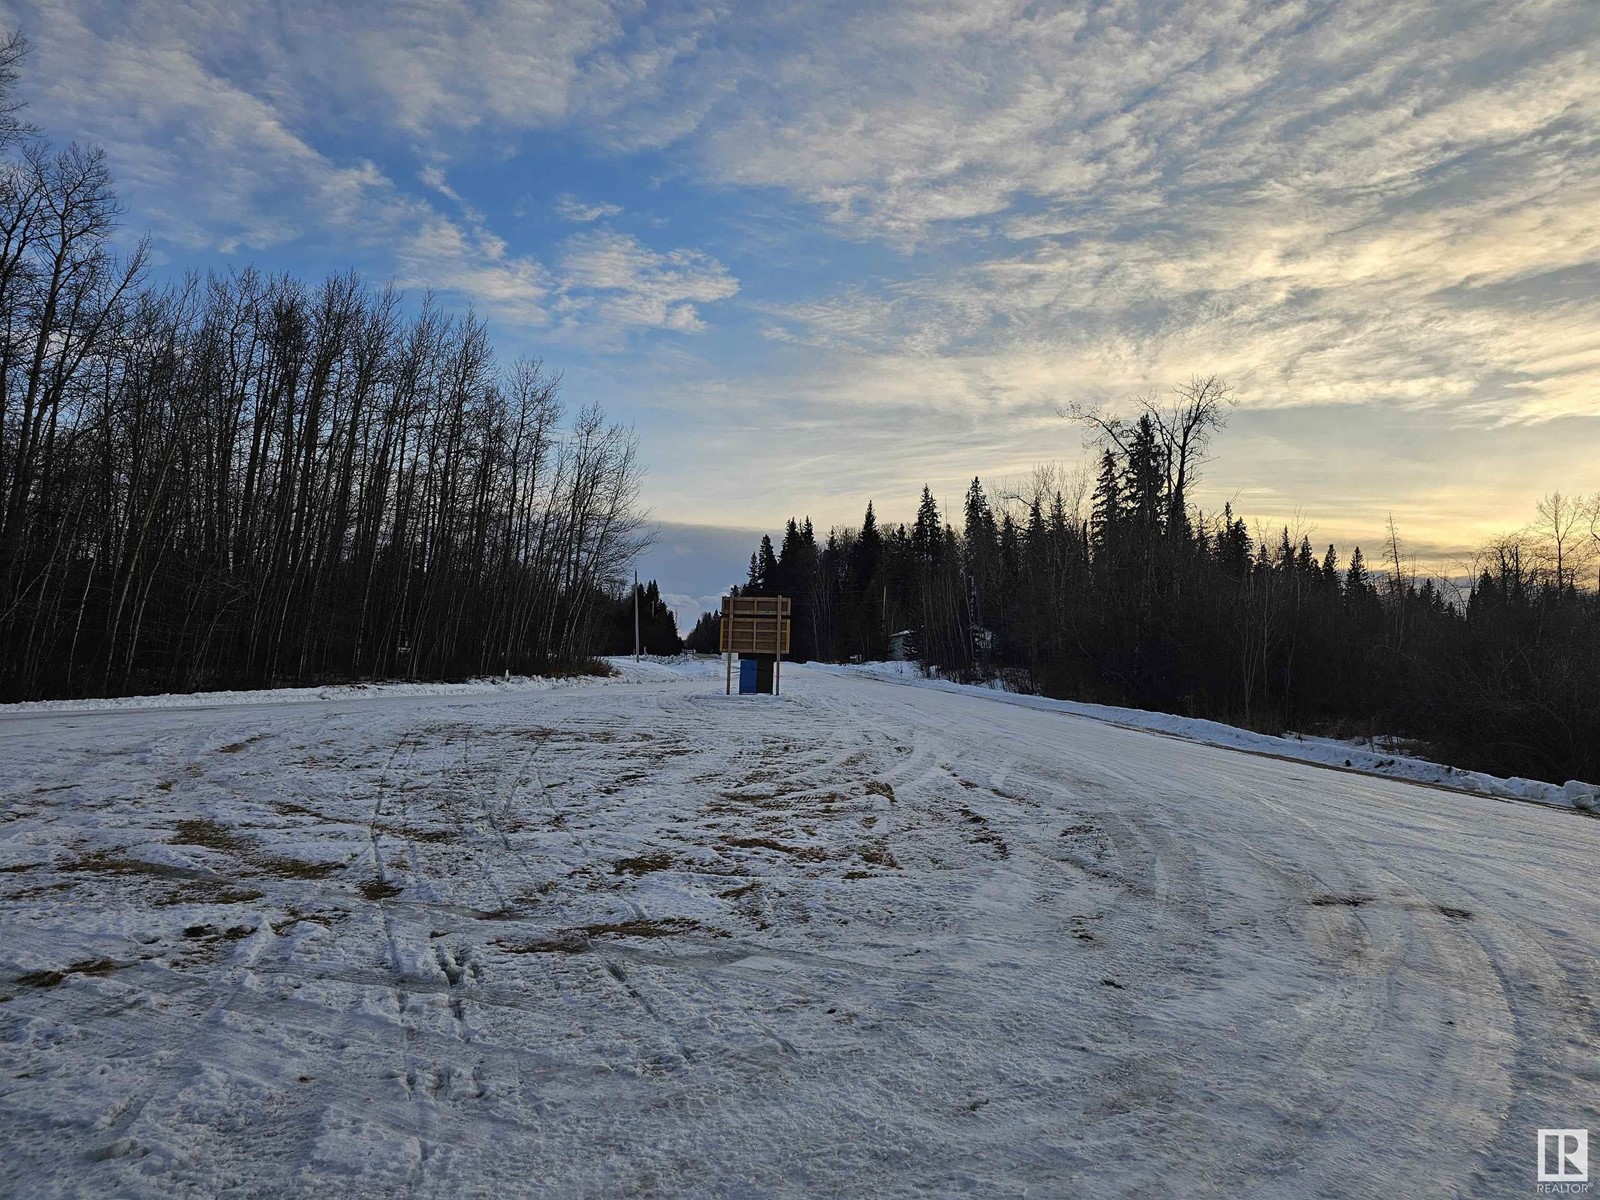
x: 629, y: 285
x: 948, y: 218
x: 1372, y: 276
x: 433, y: 177
x: 1323, y: 201
x: 214, y: 165
x: 569, y: 208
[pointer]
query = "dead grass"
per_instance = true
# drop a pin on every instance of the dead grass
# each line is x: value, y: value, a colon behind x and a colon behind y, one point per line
x: 49, y: 979
x: 647, y: 927
x: 232, y: 933
x: 209, y: 835
x: 878, y: 856
x: 103, y: 862
x: 209, y: 891
x: 561, y: 944
x: 643, y: 864
x: 414, y: 835
x: 984, y: 834
x: 760, y: 843
x: 201, y: 831
x: 576, y: 939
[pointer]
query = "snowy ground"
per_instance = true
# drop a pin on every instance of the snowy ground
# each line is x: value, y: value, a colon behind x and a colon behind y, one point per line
x: 1327, y: 752
x: 639, y: 938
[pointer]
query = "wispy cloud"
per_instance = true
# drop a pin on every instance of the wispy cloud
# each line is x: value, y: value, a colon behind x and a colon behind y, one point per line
x: 569, y: 208
x: 1378, y: 206
x: 215, y: 165
x: 630, y: 285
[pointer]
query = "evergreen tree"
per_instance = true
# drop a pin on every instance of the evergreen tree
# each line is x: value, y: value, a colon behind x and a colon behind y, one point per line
x: 658, y: 627
x: 1285, y: 555
x: 1145, y: 478
x: 1356, y: 579
x: 1233, y: 544
x: 705, y: 637
x: 764, y: 576
x: 980, y: 539
x: 1305, y: 560
x: 927, y: 536
x: 790, y: 568
x: 1108, y: 503
x: 979, y: 531
x: 870, y: 636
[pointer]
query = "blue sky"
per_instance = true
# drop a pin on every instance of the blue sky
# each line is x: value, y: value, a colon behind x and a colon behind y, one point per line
x: 821, y: 253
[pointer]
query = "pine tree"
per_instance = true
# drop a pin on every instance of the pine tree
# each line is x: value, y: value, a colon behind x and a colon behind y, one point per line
x: 768, y: 565
x: 927, y: 536
x: 1034, y: 539
x: 979, y: 530
x: 1233, y: 544
x: 1305, y: 561
x: 1107, y: 513
x: 866, y: 556
x: 1010, y: 546
x: 1356, y: 579
x: 1144, y: 478
x: 705, y: 637
x: 790, y: 568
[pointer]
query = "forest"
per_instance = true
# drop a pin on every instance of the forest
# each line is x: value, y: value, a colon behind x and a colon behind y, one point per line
x: 247, y: 480
x: 1114, y: 588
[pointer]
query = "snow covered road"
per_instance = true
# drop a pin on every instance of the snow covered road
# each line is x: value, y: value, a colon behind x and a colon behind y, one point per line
x: 641, y: 938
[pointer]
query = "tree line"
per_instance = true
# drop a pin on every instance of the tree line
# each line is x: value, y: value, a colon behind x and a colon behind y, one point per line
x: 251, y: 480
x: 1113, y: 587
x: 642, y: 611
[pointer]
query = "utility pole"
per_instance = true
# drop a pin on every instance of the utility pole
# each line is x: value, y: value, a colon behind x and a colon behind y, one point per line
x: 636, y: 615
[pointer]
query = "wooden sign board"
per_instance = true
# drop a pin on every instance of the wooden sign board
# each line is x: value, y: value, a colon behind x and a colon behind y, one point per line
x: 755, y: 625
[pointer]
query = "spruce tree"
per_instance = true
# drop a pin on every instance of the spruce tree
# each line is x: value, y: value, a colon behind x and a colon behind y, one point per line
x: 1305, y: 561
x: 1107, y: 512
x: 1144, y: 478
x: 979, y: 530
x: 927, y: 536
x: 1356, y: 579
x: 768, y: 567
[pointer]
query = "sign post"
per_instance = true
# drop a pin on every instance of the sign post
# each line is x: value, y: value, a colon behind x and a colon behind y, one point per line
x: 757, y: 626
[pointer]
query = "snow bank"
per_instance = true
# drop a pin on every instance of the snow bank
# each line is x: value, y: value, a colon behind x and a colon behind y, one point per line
x: 648, y: 669
x: 1325, y: 752
x: 303, y: 695
x: 662, y: 667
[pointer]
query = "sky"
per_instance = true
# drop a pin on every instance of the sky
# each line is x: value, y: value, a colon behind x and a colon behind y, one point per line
x: 823, y: 253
